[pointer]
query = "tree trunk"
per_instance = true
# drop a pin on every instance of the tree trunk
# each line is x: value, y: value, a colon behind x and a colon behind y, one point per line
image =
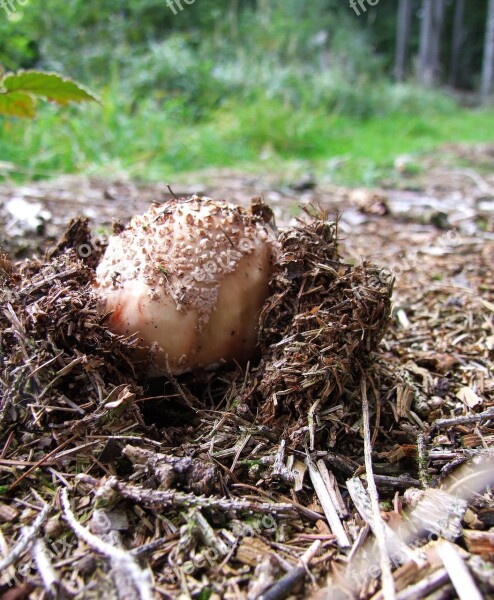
x: 403, y: 38
x: 488, y: 63
x: 430, y: 41
x: 439, y: 6
x: 234, y: 19
x: 425, y: 67
x: 457, y: 43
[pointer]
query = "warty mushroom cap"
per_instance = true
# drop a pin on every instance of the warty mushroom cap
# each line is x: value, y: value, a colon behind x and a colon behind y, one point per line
x: 190, y: 278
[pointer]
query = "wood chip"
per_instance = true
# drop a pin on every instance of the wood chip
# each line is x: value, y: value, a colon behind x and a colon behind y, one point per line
x: 468, y: 397
x: 251, y: 550
x: 479, y: 542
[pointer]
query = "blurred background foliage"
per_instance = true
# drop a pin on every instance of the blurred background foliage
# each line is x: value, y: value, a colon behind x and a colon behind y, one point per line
x: 245, y: 82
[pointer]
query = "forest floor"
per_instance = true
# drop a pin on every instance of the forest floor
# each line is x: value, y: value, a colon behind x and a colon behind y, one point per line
x: 217, y: 502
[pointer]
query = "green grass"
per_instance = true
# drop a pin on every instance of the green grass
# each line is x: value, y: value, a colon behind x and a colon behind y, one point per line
x: 153, y: 142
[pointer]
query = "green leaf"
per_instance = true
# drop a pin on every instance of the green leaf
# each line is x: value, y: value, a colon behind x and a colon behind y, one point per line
x: 51, y: 86
x: 17, y: 104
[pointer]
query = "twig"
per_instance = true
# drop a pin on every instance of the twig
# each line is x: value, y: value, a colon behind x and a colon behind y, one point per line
x: 158, y: 500
x: 51, y: 582
x: 239, y: 448
x: 460, y: 576
x: 387, y: 484
x: 358, y: 543
x: 61, y: 373
x: 422, y: 460
x: 479, y: 542
x: 310, y: 420
x: 327, y: 505
x: 150, y: 547
x: 299, y: 469
x: 342, y: 463
x: 407, y: 574
x: 33, y: 287
x: 388, y: 583
x: 139, y: 577
x: 208, y: 535
x: 467, y: 480
x: 279, y: 467
x: 171, y: 191
x: 464, y: 420
x: 284, y: 586
x: 40, y: 462
x: 332, y: 487
x: 27, y: 538
x: 424, y: 587
x: 359, y: 567
x: 120, y: 573
x: 105, y: 524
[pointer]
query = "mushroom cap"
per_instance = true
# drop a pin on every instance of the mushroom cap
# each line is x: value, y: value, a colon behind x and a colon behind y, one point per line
x: 190, y: 278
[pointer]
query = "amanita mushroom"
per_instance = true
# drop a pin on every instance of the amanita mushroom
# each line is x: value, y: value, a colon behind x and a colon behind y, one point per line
x: 190, y: 278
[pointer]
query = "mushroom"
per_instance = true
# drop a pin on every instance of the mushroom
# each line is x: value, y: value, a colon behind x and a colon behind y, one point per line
x: 189, y: 278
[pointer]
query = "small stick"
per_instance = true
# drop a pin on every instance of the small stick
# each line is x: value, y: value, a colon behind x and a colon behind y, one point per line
x: 388, y: 583
x: 27, y: 538
x: 327, y: 505
x: 171, y: 191
x: 284, y: 586
x: 310, y: 420
x: 330, y: 481
x: 395, y: 544
x: 40, y: 462
x: 158, y: 499
x: 464, y: 420
x: 458, y: 572
x: 208, y: 535
x: 51, y: 582
x: 279, y: 461
x: 425, y: 587
x: 61, y: 373
x: 279, y: 467
x: 139, y: 577
x: 422, y: 460
x: 151, y: 547
x: 361, y: 537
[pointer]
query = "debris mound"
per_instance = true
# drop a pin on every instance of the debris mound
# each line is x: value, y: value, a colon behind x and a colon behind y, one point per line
x: 58, y: 361
x: 323, y: 320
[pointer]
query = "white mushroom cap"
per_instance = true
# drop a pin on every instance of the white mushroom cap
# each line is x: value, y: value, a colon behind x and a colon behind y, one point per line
x: 190, y: 278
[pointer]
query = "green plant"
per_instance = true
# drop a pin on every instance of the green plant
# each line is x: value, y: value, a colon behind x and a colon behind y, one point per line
x: 19, y: 92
